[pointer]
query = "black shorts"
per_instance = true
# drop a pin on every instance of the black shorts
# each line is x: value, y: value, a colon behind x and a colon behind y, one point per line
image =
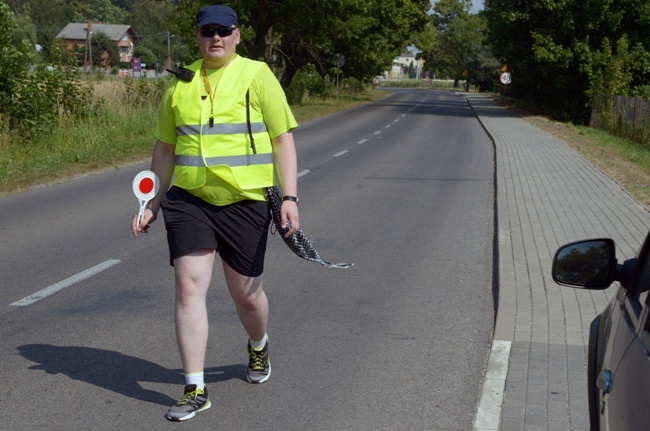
x: 238, y: 232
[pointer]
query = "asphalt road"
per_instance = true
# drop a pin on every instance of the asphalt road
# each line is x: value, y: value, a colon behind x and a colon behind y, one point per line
x: 403, y: 188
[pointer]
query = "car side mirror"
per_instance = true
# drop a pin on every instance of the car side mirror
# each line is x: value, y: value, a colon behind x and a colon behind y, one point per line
x: 589, y: 264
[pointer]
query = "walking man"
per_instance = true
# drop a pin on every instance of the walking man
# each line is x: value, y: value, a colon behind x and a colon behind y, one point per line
x: 224, y: 130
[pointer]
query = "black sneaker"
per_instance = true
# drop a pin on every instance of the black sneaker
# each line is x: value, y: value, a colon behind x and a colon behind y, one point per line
x: 259, y: 366
x: 194, y: 400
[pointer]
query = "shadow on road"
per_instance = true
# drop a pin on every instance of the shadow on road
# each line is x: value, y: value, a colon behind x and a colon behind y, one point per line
x: 116, y: 371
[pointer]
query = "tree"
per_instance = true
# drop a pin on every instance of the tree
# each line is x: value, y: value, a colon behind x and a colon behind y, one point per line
x: 31, y: 102
x: 558, y: 50
x: 369, y: 33
x: 146, y: 56
x: 452, y: 41
x: 15, y: 58
x: 150, y: 21
x: 104, y: 51
x: 101, y: 11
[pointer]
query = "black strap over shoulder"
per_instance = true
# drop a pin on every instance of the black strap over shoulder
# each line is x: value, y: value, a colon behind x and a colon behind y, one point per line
x: 248, y: 122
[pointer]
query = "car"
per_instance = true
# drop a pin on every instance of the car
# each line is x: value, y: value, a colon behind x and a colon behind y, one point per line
x: 618, y: 368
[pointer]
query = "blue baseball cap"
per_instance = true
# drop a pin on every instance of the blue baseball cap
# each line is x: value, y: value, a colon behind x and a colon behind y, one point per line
x: 216, y: 14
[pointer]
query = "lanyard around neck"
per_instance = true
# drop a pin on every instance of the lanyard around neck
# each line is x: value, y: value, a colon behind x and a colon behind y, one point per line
x: 208, y: 88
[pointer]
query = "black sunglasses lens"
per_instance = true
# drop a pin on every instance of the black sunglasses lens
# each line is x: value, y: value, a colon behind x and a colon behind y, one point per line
x: 221, y: 31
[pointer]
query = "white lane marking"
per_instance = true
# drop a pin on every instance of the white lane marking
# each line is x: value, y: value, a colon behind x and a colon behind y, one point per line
x: 395, y: 121
x: 488, y: 413
x: 362, y: 141
x: 303, y: 173
x: 339, y: 154
x: 378, y: 132
x: 387, y: 126
x: 65, y: 283
x: 403, y: 115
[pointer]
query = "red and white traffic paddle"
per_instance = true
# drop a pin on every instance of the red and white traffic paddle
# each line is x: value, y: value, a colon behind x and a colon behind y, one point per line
x: 145, y: 187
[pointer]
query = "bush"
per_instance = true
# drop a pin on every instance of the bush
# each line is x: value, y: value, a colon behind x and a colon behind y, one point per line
x: 353, y: 85
x: 317, y: 86
x: 144, y: 91
x: 308, y: 83
x: 297, y: 91
x: 39, y: 99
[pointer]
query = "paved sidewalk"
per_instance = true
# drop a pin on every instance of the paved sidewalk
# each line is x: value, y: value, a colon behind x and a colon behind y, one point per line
x: 547, y: 195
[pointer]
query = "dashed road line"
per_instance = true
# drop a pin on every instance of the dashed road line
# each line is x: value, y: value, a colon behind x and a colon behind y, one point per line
x: 339, y: 154
x: 44, y: 293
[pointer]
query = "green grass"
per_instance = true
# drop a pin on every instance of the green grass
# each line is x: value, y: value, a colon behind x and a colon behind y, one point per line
x: 632, y: 151
x: 76, y: 147
x: 418, y: 83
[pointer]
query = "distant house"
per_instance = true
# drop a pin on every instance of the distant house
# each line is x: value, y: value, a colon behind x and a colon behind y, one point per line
x: 406, y: 66
x: 76, y: 34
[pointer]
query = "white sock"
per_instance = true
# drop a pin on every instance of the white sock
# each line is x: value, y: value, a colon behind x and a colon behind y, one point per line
x: 259, y: 345
x: 195, y: 379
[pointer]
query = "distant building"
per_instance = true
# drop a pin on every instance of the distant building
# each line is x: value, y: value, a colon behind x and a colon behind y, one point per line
x: 406, y: 66
x: 76, y: 34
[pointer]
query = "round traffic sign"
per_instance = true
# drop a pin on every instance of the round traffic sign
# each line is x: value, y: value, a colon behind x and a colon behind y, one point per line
x: 506, y: 78
x: 146, y: 185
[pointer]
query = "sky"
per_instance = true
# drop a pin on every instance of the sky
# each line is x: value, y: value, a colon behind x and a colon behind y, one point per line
x: 477, y: 5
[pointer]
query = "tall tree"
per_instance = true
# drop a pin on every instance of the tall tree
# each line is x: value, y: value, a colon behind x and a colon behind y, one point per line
x: 369, y: 33
x: 558, y: 49
x: 452, y: 42
x: 150, y: 21
x: 14, y: 58
x: 105, y: 51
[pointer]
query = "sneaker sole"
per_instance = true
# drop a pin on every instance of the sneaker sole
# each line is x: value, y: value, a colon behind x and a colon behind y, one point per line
x: 190, y: 415
x: 255, y: 382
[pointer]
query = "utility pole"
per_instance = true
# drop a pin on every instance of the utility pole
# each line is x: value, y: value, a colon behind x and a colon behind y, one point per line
x: 168, y: 63
x: 86, y: 53
x: 90, y: 44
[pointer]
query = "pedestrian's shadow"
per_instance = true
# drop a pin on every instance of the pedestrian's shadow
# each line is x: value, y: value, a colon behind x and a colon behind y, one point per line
x: 116, y: 371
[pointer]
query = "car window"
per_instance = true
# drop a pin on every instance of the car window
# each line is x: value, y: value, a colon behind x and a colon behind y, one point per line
x: 643, y: 285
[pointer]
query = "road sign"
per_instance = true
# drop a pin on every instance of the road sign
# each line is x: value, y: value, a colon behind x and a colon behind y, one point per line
x: 465, y: 72
x: 504, y: 68
x: 338, y: 60
x: 145, y: 187
x: 506, y: 78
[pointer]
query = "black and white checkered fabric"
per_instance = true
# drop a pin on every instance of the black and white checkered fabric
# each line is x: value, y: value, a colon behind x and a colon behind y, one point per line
x: 297, y: 242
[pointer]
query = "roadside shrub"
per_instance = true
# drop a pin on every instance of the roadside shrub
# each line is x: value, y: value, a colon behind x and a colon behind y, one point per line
x: 353, y: 85
x: 144, y: 91
x: 297, y: 90
x: 318, y: 86
x: 39, y: 99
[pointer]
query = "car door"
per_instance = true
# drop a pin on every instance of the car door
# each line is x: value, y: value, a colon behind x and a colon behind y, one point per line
x: 624, y: 381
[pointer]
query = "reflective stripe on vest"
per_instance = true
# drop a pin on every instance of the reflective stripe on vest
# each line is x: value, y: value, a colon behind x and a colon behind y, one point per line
x: 232, y: 161
x: 220, y: 129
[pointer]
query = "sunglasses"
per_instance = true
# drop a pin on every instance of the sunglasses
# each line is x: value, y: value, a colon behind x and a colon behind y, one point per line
x: 211, y: 31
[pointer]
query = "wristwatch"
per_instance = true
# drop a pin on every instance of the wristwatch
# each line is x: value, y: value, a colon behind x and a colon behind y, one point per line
x: 290, y: 198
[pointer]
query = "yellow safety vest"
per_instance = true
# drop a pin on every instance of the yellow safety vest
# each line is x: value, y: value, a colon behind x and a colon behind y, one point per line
x: 224, y: 147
